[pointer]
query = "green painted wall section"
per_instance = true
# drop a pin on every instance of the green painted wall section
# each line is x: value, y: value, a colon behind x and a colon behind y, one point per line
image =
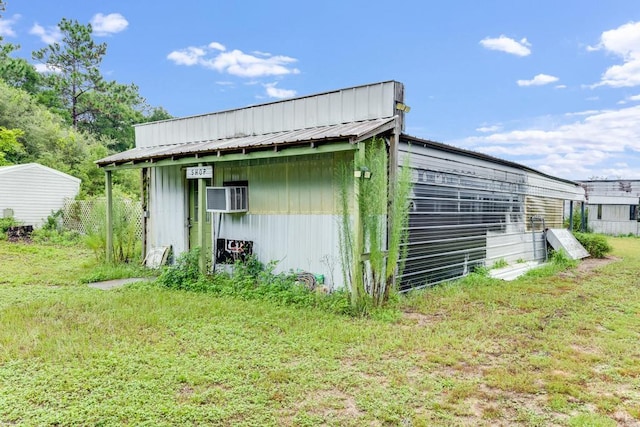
x: 293, y: 185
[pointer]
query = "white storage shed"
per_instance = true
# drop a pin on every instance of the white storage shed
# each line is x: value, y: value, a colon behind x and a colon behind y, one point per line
x: 31, y: 192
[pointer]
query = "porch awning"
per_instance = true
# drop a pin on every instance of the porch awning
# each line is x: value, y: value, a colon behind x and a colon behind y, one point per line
x: 350, y: 132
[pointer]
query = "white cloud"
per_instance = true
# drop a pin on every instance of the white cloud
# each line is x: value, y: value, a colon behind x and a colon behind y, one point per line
x: 623, y: 42
x: 588, y: 146
x: 238, y: 63
x: 6, y: 26
x: 105, y: 25
x: 217, y: 46
x: 508, y: 45
x: 487, y: 129
x: 634, y: 98
x: 189, y: 56
x: 48, y: 35
x: 561, y: 86
x: 235, y: 62
x: 44, y: 68
x: 274, y: 92
x: 539, y: 80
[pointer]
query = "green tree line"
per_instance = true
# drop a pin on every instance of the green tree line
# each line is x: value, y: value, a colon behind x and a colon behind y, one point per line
x: 68, y: 115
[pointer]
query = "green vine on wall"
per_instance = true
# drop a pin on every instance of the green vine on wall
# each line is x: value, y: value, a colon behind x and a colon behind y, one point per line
x: 372, y: 238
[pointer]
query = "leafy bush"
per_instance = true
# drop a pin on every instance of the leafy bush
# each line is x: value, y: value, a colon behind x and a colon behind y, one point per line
x: 251, y: 280
x: 596, y: 244
x: 185, y: 273
x: 5, y: 223
x: 52, y: 232
x: 577, y: 221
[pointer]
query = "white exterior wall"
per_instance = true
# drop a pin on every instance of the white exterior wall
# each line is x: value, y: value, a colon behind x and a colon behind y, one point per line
x: 305, y: 242
x: 34, y: 191
x: 615, y: 220
x: 167, y: 222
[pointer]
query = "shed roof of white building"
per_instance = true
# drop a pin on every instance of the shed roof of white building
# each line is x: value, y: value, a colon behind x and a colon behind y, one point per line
x: 37, y: 166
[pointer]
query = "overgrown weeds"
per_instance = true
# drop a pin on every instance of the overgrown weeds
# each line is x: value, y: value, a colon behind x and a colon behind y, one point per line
x: 253, y: 280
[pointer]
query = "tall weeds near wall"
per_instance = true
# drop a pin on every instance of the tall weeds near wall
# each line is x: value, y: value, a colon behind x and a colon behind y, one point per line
x: 372, y: 237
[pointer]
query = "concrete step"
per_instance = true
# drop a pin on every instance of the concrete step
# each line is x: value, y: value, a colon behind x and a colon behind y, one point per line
x: 512, y: 272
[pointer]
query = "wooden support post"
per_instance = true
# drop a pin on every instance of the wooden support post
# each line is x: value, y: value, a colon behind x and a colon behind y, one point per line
x: 202, y: 215
x: 109, y: 196
x: 144, y: 193
x: 358, y: 242
x: 393, y: 166
x: 583, y: 221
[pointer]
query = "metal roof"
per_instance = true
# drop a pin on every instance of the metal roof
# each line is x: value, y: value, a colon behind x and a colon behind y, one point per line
x: 478, y: 155
x: 352, y: 132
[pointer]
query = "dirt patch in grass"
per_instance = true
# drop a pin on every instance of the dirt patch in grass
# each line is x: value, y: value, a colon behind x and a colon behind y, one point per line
x: 588, y: 265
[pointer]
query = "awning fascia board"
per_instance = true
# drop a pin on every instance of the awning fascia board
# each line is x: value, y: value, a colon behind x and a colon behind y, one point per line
x: 232, y: 157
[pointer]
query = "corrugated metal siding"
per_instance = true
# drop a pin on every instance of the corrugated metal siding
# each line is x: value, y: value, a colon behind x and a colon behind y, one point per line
x: 456, y: 201
x: 167, y: 208
x: 466, y: 212
x: 342, y: 106
x: 34, y: 191
x: 295, y: 185
x: 297, y: 242
x: 615, y: 220
x: 552, y: 210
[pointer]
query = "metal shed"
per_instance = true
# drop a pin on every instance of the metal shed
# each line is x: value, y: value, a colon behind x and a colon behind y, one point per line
x: 467, y: 209
x: 31, y: 192
x: 612, y: 206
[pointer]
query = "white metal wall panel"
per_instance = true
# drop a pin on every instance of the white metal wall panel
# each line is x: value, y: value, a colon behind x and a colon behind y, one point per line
x: 34, y: 191
x: 342, y: 106
x: 614, y: 228
x: 613, y: 200
x: 468, y: 211
x: 167, y: 205
x: 298, y: 242
x: 513, y: 247
x: 543, y: 186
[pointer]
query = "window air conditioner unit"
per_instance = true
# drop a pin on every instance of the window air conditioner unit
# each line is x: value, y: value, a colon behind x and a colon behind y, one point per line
x: 227, y: 199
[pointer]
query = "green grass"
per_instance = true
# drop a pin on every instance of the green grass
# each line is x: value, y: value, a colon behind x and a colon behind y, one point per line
x: 542, y: 350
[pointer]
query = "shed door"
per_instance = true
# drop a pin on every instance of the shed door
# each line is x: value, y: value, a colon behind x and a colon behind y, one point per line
x: 193, y: 217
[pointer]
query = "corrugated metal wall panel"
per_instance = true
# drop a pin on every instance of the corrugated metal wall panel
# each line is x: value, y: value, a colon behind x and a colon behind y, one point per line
x: 297, y: 242
x: 552, y: 210
x: 347, y: 105
x: 467, y: 212
x: 167, y: 205
x: 296, y: 185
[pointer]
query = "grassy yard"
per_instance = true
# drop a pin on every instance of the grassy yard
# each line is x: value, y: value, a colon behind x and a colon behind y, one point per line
x: 561, y: 350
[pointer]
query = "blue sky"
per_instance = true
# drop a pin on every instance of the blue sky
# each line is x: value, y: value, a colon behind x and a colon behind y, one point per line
x: 554, y: 85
